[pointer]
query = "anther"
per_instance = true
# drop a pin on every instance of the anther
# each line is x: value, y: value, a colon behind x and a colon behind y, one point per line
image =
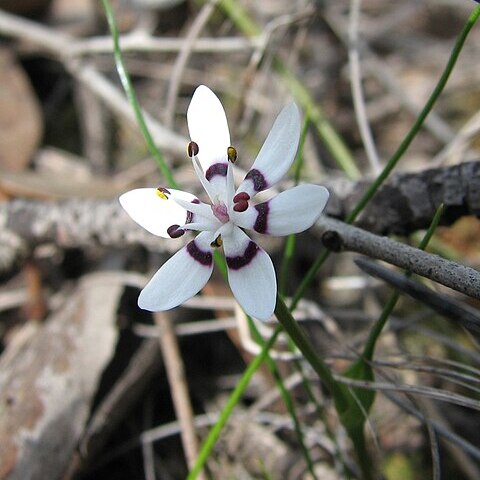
x: 232, y: 154
x: 162, y: 192
x: 240, y: 206
x: 192, y: 149
x: 218, y: 242
x: 241, y: 196
x: 175, y: 231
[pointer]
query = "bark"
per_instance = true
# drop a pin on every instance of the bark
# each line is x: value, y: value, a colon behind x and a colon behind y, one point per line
x: 408, y: 200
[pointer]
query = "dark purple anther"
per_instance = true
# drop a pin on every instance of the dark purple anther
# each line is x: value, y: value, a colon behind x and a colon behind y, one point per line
x: 241, y: 196
x: 192, y: 149
x: 240, y: 206
x: 175, y: 231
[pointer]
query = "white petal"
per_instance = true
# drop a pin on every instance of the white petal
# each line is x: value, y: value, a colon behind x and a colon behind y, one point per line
x: 208, y: 127
x: 153, y: 213
x: 250, y: 274
x: 181, y: 277
x: 277, y: 153
x: 292, y: 211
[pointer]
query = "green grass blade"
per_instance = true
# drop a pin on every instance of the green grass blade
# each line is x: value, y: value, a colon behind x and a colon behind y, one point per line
x: 392, y: 162
x: 326, y: 131
x: 287, y: 399
x: 132, y: 97
x: 233, y: 400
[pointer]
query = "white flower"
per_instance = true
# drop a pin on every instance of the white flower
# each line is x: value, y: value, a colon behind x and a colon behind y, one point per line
x: 169, y: 213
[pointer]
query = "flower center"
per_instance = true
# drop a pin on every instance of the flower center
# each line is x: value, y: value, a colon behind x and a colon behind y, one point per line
x: 221, y: 212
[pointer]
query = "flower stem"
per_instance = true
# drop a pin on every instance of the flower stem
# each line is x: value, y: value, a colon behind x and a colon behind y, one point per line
x: 287, y: 399
x: 298, y: 337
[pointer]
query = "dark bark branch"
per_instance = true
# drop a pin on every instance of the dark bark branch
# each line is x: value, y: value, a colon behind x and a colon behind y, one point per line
x: 338, y: 236
x: 450, y: 308
x: 408, y: 201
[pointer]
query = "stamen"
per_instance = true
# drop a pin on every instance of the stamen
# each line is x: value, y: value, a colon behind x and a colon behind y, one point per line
x: 217, y: 243
x: 192, y: 149
x: 241, y: 201
x: 162, y: 192
x: 201, y: 176
x: 241, y: 196
x: 240, y: 206
x: 175, y: 231
x: 232, y: 154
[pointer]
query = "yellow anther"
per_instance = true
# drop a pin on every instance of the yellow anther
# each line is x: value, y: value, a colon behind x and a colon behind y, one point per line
x: 217, y: 243
x: 162, y: 193
x: 232, y: 154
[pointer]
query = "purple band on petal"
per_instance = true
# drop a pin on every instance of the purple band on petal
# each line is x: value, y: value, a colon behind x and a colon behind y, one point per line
x: 261, y: 223
x: 205, y: 258
x: 216, y: 169
x: 256, y: 176
x: 240, y: 261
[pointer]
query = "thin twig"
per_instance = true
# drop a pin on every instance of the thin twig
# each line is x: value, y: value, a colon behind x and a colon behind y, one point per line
x: 357, y: 91
x: 437, y: 126
x: 59, y: 45
x: 435, y: 393
x: 182, y: 59
x: 140, y: 42
x: 339, y: 236
x: 442, y: 304
x: 178, y: 386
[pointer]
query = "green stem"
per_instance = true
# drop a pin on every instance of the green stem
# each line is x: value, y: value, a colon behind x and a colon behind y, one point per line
x: 363, y: 456
x: 298, y: 337
x: 237, y: 393
x: 132, y: 98
x: 421, y: 118
x: 308, y: 278
x: 290, y: 244
x: 392, y: 300
x: 287, y: 399
x: 392, y: 162
x: 288, y: 253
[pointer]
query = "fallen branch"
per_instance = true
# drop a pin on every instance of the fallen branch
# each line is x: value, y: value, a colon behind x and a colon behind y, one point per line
x: 409, y: 200
x: 338, y: 236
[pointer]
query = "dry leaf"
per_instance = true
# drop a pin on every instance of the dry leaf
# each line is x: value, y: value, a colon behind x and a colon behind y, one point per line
x: 20, y: 117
